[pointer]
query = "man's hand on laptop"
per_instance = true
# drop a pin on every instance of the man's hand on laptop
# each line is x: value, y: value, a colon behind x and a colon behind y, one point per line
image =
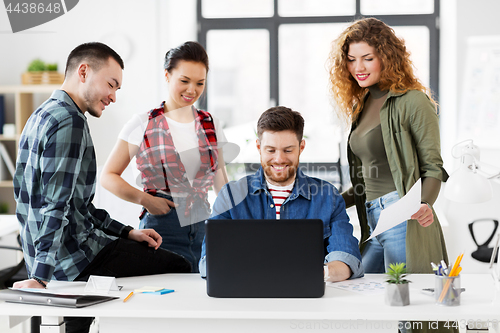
x: 337, y: 271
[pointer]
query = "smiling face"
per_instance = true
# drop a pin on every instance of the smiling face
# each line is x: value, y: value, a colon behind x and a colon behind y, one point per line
x: 364, y: 64
x: 186, y: 83
x: 279, y: 156
x: 100, y: 86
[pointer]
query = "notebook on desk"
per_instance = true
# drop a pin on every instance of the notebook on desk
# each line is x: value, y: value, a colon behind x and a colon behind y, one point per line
x: 265, y: 258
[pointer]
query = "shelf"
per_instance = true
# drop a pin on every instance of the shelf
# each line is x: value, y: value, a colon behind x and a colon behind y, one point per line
x: 24, y: 99
x: 9, y: 138
x: 29, y: 88
x: 6, y: 183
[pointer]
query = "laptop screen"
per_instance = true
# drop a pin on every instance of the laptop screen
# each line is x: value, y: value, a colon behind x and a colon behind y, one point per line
x: 265, y: 258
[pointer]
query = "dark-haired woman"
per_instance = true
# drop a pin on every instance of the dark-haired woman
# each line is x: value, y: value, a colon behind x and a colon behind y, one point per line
x: 177, y: 154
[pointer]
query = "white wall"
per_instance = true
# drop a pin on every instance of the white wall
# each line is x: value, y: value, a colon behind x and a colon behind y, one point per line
x: 461, y: 19
x: 130, y: 29
x: 140, y: 31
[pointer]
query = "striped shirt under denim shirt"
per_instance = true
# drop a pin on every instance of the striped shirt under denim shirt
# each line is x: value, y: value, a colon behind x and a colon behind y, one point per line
x: 279, y: 193
x: 54, y: 185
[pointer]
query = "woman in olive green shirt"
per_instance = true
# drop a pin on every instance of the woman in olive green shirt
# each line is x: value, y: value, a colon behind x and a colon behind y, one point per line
x: 394, y: 141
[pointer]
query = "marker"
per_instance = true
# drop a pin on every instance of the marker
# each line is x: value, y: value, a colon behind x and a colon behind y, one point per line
x: 445, y: 267
x: 435, y: 268
x: 128, y: 297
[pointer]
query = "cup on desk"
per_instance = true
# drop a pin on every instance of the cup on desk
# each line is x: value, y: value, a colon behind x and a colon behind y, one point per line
x: 451, y: 287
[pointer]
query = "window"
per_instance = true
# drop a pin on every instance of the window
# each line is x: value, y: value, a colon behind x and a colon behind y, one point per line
x: 395, y: 7
x: 273, y: 52
x: 296, y: 8
x: 237, y: 8
x: 238, y: 80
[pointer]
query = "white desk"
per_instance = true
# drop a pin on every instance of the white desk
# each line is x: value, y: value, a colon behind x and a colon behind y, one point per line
x: 189, y: 309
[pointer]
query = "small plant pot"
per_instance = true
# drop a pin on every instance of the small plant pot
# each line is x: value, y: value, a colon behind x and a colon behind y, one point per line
x: 45, y: 77
x: 397, y: 294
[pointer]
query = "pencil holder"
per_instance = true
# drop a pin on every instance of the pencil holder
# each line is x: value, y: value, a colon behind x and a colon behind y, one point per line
x: 447, y: 290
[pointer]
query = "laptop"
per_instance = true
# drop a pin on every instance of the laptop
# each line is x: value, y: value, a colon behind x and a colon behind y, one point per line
x: 265, y: 258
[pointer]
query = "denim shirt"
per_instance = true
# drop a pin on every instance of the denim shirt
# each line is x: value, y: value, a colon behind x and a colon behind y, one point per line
x: 311, y: 198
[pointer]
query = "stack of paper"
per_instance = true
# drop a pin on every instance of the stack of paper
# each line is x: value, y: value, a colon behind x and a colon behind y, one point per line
x: 153, y: 290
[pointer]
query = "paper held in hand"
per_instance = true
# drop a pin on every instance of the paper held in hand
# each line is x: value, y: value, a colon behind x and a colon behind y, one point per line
x: 400, y: 211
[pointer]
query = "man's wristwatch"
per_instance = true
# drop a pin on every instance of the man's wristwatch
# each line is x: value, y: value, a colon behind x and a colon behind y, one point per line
x: 126, y: 231
x: 39, y: 281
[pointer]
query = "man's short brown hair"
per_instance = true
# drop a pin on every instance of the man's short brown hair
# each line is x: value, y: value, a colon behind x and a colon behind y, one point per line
x: 280, y: 118
x: 95, y: 53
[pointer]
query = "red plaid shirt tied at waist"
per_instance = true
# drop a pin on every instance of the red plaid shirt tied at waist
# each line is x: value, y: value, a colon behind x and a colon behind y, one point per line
x: 161, y: 166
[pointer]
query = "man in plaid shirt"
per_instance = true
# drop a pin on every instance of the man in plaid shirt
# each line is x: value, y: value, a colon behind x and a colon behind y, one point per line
x: 64, y: 237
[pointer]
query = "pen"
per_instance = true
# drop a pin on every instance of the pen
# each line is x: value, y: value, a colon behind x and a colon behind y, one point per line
x: 435, y: 268
x: 443, y: 263
x: 128, y: 297
x: 445, y: 268
x: 433, y: 265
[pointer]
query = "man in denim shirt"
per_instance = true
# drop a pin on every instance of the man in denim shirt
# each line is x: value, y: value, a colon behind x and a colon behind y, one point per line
x: 279, y: 190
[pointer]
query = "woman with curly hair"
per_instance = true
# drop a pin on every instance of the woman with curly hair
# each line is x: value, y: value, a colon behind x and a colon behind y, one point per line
x: 394, y: 141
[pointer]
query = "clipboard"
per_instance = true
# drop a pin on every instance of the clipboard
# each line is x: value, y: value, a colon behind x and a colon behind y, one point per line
x: 27, y: 296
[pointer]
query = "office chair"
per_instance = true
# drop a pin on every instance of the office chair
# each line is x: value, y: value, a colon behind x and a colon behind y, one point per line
x: 484, y: 251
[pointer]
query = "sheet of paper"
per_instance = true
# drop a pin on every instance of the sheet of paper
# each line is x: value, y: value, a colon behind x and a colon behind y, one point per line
x: 361, y: 285
x: 44, y: 291
x: 400, y: 211
x: 67, y: 288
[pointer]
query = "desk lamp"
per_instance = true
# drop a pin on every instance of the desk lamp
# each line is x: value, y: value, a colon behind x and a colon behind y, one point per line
x: 471, y: 184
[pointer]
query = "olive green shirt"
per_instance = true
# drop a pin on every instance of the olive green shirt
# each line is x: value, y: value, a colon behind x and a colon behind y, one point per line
x: 410, y: 130
x: 369, y: 147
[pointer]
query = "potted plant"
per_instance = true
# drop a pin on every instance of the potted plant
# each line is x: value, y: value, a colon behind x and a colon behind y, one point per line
x: 4, y: 208
x: 397, y: 289
x: 39, y: 72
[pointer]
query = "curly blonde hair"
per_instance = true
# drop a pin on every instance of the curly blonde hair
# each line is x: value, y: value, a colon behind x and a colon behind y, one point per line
x: 396, y: 73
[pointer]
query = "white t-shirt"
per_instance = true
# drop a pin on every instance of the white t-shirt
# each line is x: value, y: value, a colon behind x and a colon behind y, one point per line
x: 183, y: 135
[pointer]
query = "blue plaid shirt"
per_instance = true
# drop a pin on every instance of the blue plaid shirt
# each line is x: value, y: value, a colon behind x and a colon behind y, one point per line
x: 54, y: 185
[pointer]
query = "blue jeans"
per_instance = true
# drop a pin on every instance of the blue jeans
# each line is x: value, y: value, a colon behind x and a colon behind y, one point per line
x: 184, y: 240
x: 388, y: 247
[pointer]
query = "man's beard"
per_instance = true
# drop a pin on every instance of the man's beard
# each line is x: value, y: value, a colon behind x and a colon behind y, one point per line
x: 283, y: 177
x: 90, y: 100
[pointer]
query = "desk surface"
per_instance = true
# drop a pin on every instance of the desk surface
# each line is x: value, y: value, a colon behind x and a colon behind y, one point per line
x: 191, y: 301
